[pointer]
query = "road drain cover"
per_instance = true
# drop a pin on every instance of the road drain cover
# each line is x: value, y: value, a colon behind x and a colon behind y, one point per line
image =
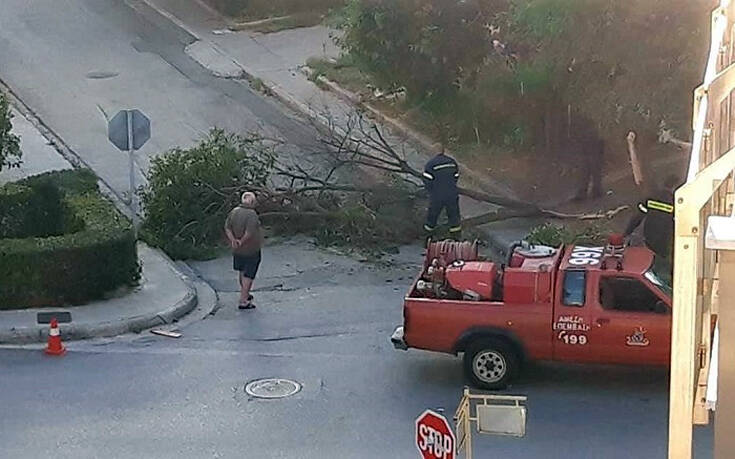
x: 272, y: 388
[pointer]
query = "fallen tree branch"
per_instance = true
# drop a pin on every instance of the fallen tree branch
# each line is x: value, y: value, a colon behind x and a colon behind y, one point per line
x: 363, y: 143
x: 666, y: 136
x: 506, y: 214
x: 606, y: 214
x: 299, y: 214
x: 498, y: 215
x: 481, y: 196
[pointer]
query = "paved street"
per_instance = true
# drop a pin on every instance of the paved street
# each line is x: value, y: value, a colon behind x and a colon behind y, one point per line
x: 73, y: 61
x: 324, y: 321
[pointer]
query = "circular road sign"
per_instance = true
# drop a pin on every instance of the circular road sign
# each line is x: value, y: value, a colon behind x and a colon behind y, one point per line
x: 434, y: 436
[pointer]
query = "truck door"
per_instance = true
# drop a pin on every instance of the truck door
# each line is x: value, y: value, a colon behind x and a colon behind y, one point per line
x: 631, y: 321
x: 571, y: 325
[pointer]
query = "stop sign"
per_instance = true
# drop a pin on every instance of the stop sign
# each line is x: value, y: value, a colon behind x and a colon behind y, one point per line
x: 434, y: 436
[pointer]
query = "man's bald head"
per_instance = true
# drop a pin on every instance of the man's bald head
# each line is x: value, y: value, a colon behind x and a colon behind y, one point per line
x: 248, y: 199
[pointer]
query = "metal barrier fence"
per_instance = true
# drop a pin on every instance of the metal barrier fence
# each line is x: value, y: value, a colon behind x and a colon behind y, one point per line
x: 702, y: 266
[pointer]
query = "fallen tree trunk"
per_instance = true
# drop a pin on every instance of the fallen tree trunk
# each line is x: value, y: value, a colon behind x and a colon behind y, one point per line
x: 502, y: 201
x: 506, y: 214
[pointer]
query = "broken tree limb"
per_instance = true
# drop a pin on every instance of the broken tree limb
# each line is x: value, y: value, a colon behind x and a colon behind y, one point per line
x: 603, y: 214
x: 666, y: 136
x: 363, y: 143
x: 506, y: 214
x: 496, y: 216
x: 297, y: 214
x: 635, y: 162
x: 360, y: 142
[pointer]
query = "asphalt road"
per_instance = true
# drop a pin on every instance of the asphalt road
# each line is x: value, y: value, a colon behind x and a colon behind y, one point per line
x: 76, y: 61
x: 324, y: 321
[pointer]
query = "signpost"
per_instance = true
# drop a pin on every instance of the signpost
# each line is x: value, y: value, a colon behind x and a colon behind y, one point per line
x: 434, y: 436
x: 129, y: 130
x: 492, y: 414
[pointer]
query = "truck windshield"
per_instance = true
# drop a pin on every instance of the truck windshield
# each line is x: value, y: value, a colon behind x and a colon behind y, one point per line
x: 660, y: 276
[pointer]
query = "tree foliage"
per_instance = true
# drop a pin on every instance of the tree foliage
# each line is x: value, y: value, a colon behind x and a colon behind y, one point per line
x: 554, y: 235
x: 506, y: 70
x: 355, y: 189
x: 10, y: 153
x: 190, y: 191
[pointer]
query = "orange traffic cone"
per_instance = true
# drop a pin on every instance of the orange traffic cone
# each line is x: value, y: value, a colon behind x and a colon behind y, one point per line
x: 54, y: 346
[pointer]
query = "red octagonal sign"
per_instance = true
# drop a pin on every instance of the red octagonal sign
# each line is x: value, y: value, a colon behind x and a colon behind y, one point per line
x: 434, y: 436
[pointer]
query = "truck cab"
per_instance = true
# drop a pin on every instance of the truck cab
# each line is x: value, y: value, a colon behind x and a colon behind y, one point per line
x: 603, y: 305
x: 611, y: 314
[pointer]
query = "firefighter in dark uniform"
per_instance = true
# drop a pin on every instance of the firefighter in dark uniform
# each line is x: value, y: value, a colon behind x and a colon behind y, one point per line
x: 589, y: 150
x: 440, y: 177
x: 657, y: 216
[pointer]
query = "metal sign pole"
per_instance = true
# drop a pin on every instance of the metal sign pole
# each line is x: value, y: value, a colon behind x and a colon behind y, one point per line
x: 131, y: 161
x: 129, y: 130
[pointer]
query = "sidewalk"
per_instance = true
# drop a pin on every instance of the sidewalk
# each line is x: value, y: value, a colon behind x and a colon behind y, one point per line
x: 163, y: 295
x: 38, y: 155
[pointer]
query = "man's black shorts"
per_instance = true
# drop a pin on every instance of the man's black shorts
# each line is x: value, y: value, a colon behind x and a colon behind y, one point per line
x: 247, y: 265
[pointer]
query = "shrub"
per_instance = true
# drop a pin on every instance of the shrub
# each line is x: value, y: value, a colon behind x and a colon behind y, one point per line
x: 76, y: 181
x: 12, y: 209
x: 190, y: 191
x: 626, y: 64
x: 32, y: 211
x: 9, y: 143
x: 95, y: 254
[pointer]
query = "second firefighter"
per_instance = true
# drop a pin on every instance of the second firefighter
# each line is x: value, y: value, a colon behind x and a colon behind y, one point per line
x: 440, y: 177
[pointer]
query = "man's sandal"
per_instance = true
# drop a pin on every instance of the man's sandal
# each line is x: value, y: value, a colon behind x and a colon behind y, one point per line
x: 248, y: 305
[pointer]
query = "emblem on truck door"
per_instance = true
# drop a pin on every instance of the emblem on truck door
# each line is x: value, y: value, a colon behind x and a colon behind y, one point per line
x: 638, y: 338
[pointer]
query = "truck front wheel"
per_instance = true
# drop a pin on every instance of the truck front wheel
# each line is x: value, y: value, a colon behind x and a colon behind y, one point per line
x: 490, y: 364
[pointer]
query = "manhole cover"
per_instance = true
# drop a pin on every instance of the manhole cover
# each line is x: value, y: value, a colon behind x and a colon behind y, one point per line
x: 272, y: 388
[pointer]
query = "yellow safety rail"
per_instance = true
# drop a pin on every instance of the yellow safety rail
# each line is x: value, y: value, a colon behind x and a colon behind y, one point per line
x: 707, y: 192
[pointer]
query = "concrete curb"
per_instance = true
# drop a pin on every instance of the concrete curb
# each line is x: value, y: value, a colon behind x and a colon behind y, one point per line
x: 245, y: 26
x: 72, y: 331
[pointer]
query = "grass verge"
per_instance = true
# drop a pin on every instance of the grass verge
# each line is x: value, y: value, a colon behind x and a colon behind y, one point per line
x: 277, y: 24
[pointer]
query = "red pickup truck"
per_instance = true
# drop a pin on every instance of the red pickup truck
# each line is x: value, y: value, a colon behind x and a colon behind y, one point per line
x: 608, y: 305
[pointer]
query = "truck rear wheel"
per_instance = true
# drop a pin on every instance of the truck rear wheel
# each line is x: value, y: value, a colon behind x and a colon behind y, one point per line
x: 490, y: 363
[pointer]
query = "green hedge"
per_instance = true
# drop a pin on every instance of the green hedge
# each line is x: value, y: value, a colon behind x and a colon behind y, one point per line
x: 96, y: 253
x: 34, y: 211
